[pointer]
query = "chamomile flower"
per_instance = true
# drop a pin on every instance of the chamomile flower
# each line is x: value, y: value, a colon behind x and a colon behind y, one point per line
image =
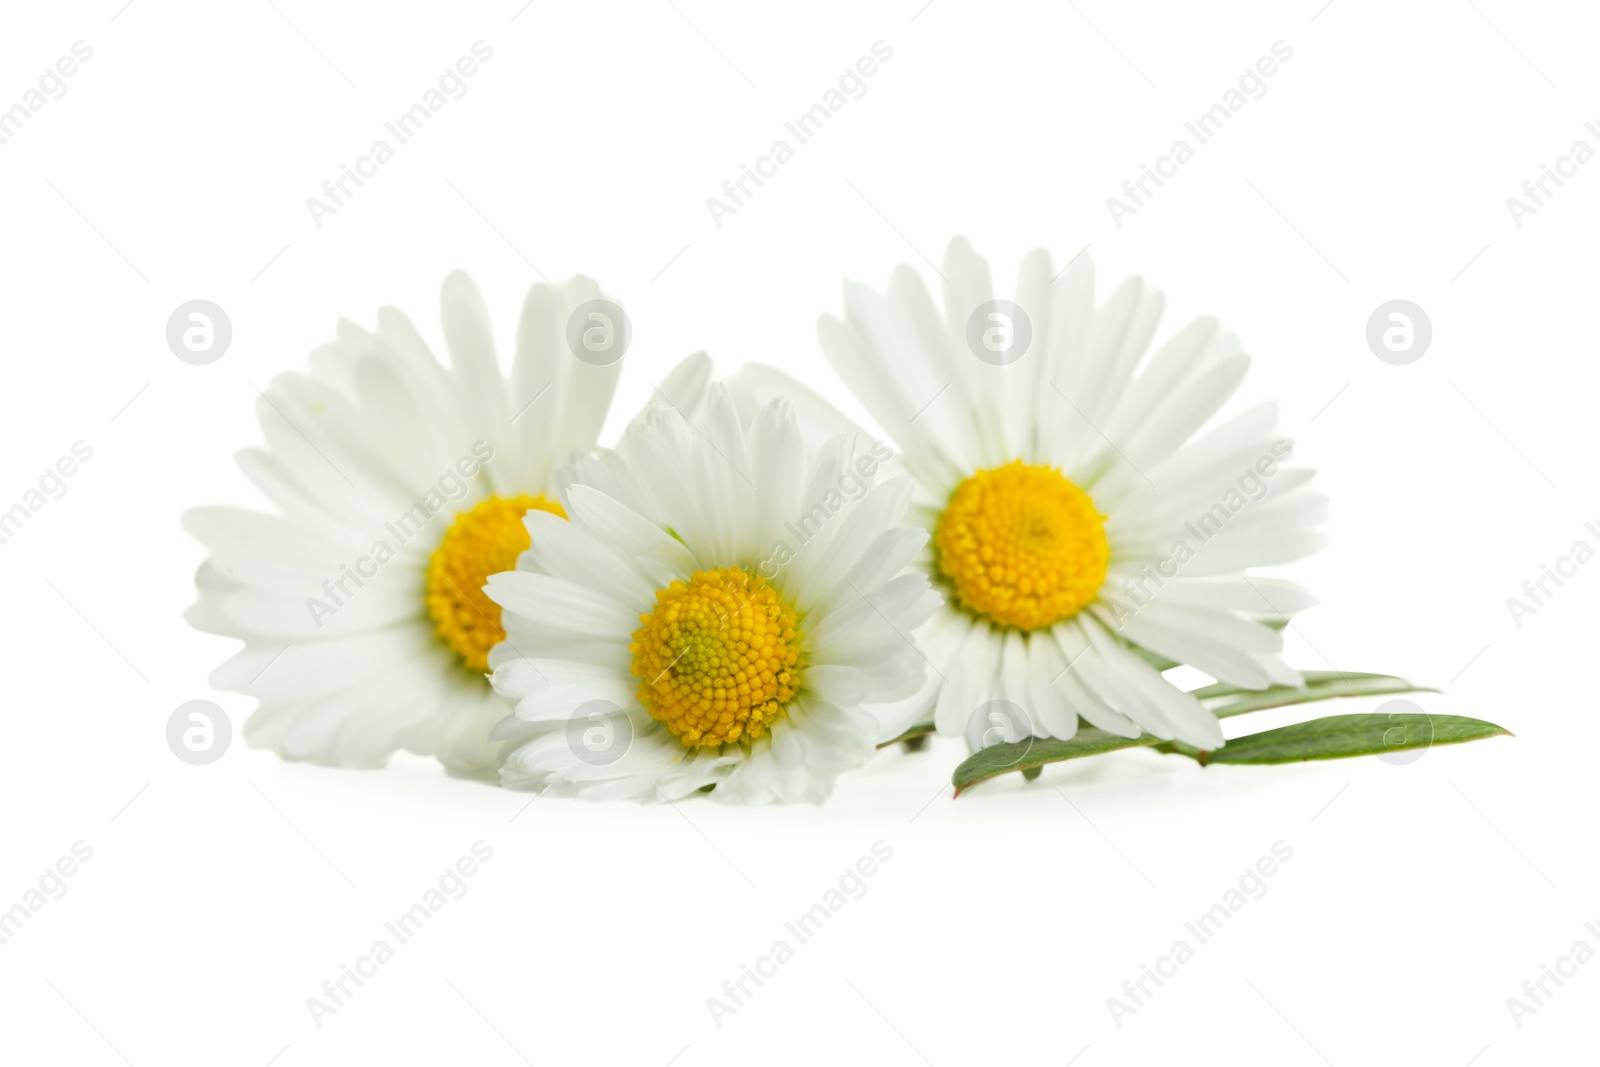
x: 398, y: 486
x: 717, y: 610
x: 1081, y: 506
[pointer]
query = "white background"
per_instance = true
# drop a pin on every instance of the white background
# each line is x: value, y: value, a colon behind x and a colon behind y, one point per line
x: 218, y: 899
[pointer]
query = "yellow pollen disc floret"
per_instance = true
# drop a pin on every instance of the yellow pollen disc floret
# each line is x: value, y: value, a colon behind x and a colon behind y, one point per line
x: 718, y: 658
x: 1022, y: 545
x: 484, y: 541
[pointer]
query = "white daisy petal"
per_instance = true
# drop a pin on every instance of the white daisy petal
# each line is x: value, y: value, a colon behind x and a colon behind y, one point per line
x: 970, y: 682
x: 856, y: 535
x: 1169, y: 630
x: 558, y: 543
x: 914, y: 415
x: 777, y: 449
x: 1049, y: 702
x: 558, y: 603
x: 755, y: 385
x: 653, y: 551
x: 559, y: 702
x: 1178, y: 711
x: 473, y: 364
x: 685, y: 386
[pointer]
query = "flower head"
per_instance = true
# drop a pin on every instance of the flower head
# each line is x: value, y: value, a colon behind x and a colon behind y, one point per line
x: 1091, y: 522
x: 717, y: 611
x: 397, y: 487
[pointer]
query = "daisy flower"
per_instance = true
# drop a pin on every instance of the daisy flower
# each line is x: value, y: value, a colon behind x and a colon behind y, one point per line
x: 398, y: 486
x: 1089, y: 527
x: 716, y: 611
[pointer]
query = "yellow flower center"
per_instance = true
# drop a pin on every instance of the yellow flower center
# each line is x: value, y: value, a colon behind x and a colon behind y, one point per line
x: 484, y: 541
x: 718, y: 658
x: 1022, y: 545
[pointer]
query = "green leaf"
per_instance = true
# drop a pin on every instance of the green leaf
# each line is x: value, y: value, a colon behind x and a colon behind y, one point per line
x: 1223, y: 700
x: 1320, y: 685
x: 1037, y: 751
x: 922, y: 729
x: 1339, y: 736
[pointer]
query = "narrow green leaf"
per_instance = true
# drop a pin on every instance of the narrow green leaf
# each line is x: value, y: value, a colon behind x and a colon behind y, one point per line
x: 1320, y: 685
x: 1340, y: 736
x: 921, y: 730
x: 1223, y: 700
x: 1037, y: 751
x: 1223, y: 689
